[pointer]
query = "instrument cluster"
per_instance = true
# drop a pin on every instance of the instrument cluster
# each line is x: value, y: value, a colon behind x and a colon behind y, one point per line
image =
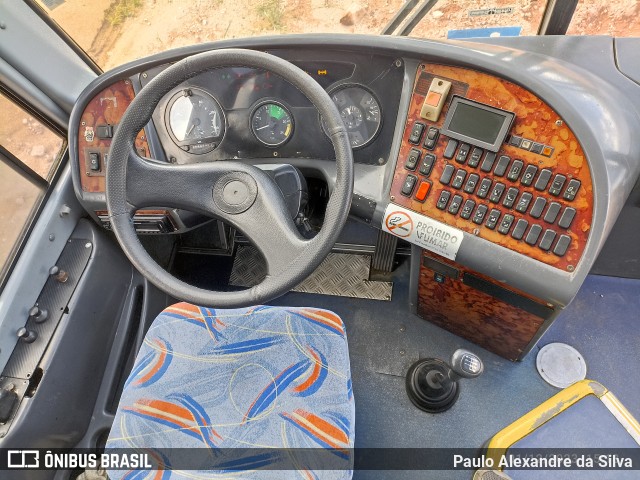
x: 241, y: 112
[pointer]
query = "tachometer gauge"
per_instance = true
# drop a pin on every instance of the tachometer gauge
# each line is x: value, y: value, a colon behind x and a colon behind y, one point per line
x: 271, y: 123
x: 360, y: 112
x: 196, y: 121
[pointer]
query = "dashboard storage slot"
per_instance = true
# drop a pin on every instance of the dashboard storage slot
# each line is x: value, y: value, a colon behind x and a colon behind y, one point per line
x: 145, y: 221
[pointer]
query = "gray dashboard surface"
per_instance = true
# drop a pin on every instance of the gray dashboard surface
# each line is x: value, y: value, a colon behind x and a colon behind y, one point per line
x: 577, y: 76
x: 628, y: 57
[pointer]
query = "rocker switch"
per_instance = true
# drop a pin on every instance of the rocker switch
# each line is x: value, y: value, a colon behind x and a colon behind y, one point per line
x: 104, y: 131
x: 94, y: 161
x: 435, y: 98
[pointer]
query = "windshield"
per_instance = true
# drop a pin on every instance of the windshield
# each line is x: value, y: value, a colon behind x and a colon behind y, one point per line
x: 113, y: 32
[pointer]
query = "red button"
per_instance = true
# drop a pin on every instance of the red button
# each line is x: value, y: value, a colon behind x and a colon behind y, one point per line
x: 423, y: 191
x: 433, y: 98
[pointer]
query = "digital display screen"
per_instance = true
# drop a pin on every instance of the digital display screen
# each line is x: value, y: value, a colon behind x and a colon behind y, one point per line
x: 477, y: 123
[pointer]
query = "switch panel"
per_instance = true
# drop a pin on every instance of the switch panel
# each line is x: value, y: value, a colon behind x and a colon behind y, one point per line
x: 533, y: 195
x: 96, y: 129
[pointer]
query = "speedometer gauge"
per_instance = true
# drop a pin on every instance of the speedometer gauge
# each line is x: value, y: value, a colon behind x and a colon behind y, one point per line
x: 271, y: 123
x: 360, y: 112
x: 195, y: 120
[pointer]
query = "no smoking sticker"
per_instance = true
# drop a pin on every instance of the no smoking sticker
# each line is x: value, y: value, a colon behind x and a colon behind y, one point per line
x: 399, y: 223
x: 423, y: 231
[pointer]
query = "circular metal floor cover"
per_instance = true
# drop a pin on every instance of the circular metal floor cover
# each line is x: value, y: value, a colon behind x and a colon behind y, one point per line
x: 560, y: 365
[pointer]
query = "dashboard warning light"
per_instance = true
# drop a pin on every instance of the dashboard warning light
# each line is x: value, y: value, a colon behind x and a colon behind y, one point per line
x: 322, y: 72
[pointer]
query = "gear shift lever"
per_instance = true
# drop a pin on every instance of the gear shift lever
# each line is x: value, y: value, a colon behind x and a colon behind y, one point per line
x: 465, y: 364
x: 432, y: 385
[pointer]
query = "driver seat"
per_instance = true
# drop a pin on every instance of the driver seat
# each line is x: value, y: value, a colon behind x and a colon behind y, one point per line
x: 264, y: 379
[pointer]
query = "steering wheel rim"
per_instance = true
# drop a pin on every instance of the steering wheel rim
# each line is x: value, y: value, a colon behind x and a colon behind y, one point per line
x: 290, y: 258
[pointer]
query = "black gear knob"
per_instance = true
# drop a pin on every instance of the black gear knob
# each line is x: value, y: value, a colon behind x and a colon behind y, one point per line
x: 432, y: 385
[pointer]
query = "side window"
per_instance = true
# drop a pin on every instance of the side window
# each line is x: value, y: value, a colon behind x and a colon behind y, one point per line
x: 30, y: 152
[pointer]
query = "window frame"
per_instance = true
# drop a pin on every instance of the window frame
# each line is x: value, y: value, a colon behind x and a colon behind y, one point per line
x: 62, y: 33
x: 46, y: 185
x: 557, y: 17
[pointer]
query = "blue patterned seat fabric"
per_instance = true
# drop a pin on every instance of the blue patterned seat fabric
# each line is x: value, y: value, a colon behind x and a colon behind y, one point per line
x: 247, y: 378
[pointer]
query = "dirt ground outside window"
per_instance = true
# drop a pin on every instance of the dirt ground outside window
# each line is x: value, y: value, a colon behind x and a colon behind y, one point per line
x: 117, y: 31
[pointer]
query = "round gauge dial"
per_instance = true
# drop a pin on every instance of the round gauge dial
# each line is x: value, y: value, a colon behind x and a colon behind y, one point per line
x: 271, y: 123
x: 196, y: 121
x: 360, y: 112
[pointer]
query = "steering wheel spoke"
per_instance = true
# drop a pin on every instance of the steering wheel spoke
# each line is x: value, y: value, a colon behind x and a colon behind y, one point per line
x: 268, y: 225
x: 187, y: 187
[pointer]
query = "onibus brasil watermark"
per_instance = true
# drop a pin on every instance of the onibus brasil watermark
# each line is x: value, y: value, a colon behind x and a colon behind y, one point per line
x: 70, y: 460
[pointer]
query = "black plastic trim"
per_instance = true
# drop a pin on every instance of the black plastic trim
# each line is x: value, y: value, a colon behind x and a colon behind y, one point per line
x: 362, y: 207
x: 440, y: 267
x: 507, y: 296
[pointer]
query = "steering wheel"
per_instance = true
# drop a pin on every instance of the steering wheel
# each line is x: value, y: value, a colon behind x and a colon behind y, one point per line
x: 237, y: 193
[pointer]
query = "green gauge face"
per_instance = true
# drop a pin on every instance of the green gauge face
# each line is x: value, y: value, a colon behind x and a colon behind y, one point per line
x: 272, y: 124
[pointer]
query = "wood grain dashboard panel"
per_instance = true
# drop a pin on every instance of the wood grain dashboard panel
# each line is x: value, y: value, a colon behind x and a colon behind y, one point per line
x: 536, y: 122
x: 476, y: 307
x: 105, y: 109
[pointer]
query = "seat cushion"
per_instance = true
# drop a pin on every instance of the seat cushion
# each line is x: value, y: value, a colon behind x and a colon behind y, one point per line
x: 271, y: 377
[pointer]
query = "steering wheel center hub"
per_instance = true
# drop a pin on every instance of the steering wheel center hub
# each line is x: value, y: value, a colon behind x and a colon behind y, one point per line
x: 235, y: 192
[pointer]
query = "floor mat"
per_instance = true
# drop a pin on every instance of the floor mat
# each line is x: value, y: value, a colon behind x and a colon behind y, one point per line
x: 340, y: 274
x: 384, y: 339
x: 603, y: 324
